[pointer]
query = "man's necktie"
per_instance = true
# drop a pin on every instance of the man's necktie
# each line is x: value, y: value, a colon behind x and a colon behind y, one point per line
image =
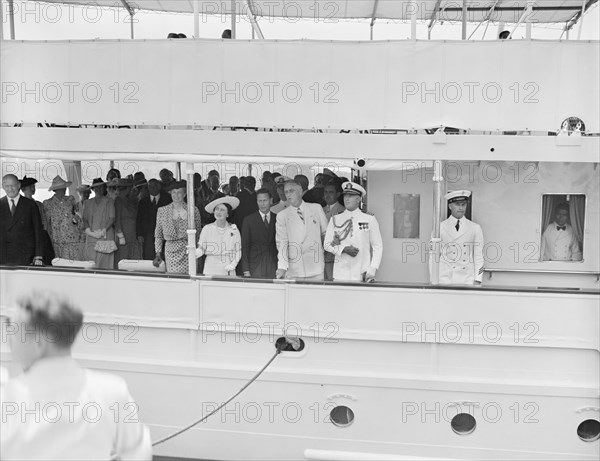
x: 457, y: 225
x: 266, y: 221
x: 300, y: 214
x: 559, y: 228
x: 154, y: 201
x: 12, y: 207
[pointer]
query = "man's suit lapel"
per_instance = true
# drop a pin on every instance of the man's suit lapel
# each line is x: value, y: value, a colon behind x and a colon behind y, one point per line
x: 6, y: 212
x: 272, y: 219
x: 464, y: 224
x: 20, y: 209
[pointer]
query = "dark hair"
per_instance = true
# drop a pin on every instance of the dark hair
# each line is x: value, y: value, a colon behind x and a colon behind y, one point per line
x: 335, y: 182
x: 250, y: 182
x: 197, y: 180
x: 561, y: 206
x: 302, y: 180
x: 52, y: 317
x: 264, y: 190
x: 111, y: 172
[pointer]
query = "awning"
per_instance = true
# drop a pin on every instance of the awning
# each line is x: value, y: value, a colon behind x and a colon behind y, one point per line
x: 508, y: 11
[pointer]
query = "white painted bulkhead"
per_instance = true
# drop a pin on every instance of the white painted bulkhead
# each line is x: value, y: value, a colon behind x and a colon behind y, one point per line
x: 403, y: 358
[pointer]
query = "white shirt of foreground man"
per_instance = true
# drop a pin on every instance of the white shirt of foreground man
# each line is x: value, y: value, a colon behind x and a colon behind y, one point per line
x: 355, y: 239
x: 461, y: 260
x: 58, y: 410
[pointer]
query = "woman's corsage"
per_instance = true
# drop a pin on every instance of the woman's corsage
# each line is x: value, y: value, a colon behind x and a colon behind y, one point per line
x: 234, y: 229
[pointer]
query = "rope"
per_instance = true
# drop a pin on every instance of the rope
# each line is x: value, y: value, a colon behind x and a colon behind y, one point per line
x: 181, y: 431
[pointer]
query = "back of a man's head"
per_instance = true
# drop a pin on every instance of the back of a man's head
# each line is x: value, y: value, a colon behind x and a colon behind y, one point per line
x: 250, y: 183
x: 48, y: 319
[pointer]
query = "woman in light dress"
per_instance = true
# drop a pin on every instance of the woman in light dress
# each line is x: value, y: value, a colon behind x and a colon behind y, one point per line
x: 171, y: 228
x: 220, y: 241
x: 98, y: 222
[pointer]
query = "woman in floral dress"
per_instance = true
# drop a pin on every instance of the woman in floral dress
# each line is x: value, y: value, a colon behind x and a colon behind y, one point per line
x: 220, y: 241
x: 62, y: 222
x: 171, y: 228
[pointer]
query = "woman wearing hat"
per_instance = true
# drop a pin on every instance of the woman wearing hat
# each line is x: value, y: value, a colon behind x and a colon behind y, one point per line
x: 98, y: 221
x: 126, y: 209
x: 62, y: 220
x: 220, y: 241
x: 171, y: 229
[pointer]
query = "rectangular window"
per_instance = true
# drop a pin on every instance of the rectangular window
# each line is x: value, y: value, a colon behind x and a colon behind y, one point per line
x: 563, y: 222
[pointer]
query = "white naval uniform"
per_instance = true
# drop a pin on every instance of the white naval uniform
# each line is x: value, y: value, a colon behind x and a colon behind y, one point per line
x: 365, y: 236
x: 461, y: 260
x: 60, y: 411
x: 560, y: 245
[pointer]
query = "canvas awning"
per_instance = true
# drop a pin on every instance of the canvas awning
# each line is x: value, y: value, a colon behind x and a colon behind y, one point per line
x: 508, y: 11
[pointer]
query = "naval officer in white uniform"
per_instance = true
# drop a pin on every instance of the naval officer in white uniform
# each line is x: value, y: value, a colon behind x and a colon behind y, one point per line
x: 58, y: 410
x: 354, y: 238
x: 461, y: 260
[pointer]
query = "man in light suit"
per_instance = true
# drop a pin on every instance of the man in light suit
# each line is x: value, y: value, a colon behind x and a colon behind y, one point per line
x: 21, y: 237
x: 354, y: 238
x: 461, y: 261
x: 56, y: 409
x: 558, y: 241
x: 299, y: 235
x: 146, y: 217
x: 259, y: 251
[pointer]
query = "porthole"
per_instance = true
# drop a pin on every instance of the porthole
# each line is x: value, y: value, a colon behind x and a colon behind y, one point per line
x: 342, y: 416
x: 589, y: 430
x: 290, y: 344
x: 463, y: 424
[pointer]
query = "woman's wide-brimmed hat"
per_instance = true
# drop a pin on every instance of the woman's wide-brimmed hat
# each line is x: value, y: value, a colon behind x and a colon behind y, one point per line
x: 83, y: 188
x: 25, y: 182
x: 182, y: 184
x: 59, y: 183
x: 233, y: 202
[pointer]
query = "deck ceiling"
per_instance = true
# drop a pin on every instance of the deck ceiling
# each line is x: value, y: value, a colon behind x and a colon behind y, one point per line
x: 509, y: 11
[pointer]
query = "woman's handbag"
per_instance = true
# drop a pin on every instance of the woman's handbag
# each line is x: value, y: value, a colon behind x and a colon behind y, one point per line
x: 105, y: 246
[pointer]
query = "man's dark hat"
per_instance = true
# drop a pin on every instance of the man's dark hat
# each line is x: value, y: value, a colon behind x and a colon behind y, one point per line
x: 98, y: 182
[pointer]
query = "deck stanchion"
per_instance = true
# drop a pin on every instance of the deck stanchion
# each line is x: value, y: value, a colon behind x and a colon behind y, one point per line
x: 233, y: 19
x: 435, y: 249
x: 196, y: 19
x: 11, y: 18
x: 191, y: 232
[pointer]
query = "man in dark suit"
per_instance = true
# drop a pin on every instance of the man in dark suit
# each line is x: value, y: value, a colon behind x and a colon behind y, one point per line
x: 259, y: 251
x: 21, y: 240
x: 146, y: 217
x: 247, y: 198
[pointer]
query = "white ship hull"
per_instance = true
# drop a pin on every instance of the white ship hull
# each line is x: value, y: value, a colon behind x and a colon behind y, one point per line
x: 405, y: 360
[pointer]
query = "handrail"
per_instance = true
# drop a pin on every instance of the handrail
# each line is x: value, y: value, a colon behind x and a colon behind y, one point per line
x: 373, y: 285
